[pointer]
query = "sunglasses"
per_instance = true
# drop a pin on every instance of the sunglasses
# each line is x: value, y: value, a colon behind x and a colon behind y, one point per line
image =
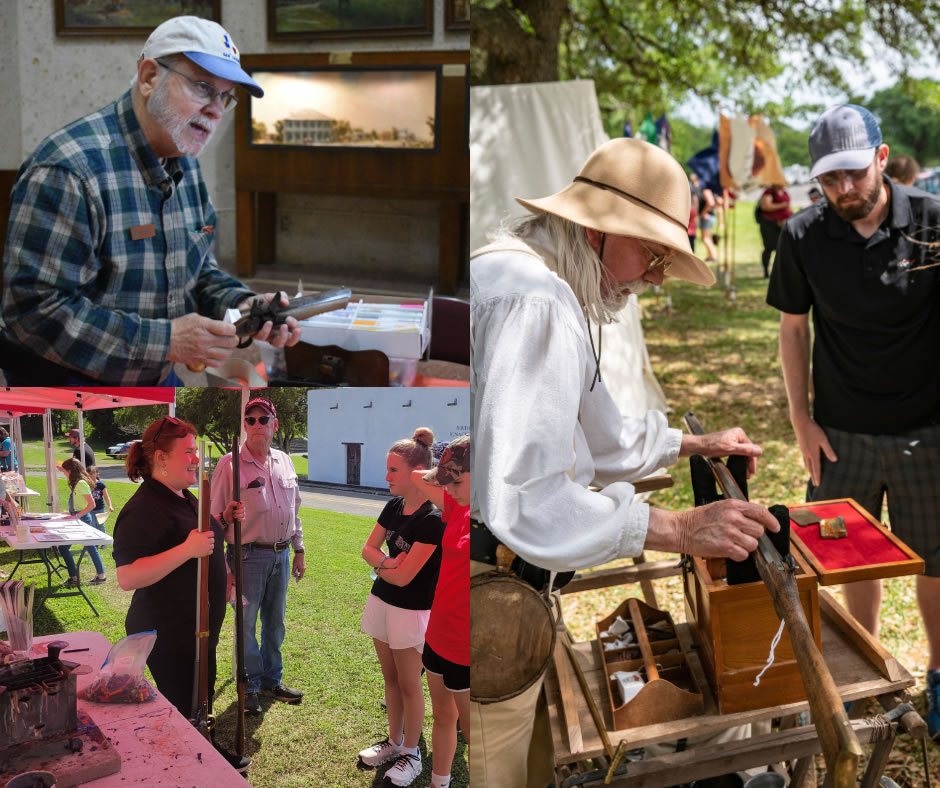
x: 660, y: 261
x: 250, y: 420
x: 166, y: 419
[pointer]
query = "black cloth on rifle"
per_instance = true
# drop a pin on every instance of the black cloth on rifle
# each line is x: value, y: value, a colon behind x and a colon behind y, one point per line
x: 483, y: 546
x: 704, y: 486
x: 746, y: 571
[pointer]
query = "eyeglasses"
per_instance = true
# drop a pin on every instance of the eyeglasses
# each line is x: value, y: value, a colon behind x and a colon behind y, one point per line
x: 250, y: 420
x: 174, y: 421
x: 658, y: 261
x: 831, y: 179
x: 203, y: 91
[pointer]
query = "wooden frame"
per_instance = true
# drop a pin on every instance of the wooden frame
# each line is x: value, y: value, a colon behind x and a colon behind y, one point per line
x: 456, y: 14
x: 421, y: 23
x: 133, y: 18
x: 262, y: 172
x: 828, y: 577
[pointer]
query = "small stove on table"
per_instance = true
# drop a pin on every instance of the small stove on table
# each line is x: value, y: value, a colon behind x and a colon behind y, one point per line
x: 40, y: 727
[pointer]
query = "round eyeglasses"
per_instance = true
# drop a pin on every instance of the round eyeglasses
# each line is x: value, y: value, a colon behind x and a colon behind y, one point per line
x: 203, y: 91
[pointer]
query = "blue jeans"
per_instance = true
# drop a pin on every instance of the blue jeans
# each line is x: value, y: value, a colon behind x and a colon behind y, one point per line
x: 66, y: 553
x: 265, y: 576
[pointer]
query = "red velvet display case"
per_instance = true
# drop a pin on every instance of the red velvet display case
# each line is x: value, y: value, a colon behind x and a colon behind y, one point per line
x: 869, y: 551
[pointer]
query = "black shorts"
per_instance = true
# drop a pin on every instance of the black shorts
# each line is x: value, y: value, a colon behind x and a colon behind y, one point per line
x: 900, y: 467
x: 456, y: 677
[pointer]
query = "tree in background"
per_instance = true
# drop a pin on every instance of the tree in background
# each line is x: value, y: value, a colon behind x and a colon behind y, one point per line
x: 645, y: 54
x: 132, y: 422
x: 909, y: 115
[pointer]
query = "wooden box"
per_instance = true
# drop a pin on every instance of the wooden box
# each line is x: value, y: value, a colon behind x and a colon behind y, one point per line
x: 670, y: 692
x: 734, y: 627
x: 869, y: 551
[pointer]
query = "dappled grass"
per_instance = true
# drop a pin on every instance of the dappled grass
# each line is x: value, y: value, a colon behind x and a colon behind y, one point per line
x: 325, y: 655
x: 720, y: 360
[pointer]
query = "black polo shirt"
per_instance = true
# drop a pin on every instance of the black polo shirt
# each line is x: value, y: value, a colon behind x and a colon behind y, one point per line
x: 154, y: 520
x: 876, y: 317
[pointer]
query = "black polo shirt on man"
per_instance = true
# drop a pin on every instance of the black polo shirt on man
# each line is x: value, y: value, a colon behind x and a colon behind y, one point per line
x: 876, y: 316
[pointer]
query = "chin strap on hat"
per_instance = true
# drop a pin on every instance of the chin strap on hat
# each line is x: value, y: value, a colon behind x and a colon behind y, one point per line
x: 600, y: 328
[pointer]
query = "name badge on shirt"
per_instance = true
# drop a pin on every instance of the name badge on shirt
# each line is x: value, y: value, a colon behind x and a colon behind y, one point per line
x: 142, y: 231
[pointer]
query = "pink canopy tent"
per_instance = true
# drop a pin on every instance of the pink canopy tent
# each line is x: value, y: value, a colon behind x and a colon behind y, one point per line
x: 16, y: 401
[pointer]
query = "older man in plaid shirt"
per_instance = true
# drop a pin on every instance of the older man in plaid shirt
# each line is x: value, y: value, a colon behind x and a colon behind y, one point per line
x: 108, y: 272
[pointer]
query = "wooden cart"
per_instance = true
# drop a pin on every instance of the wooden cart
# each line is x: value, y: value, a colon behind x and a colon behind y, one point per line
x: 859, y: 664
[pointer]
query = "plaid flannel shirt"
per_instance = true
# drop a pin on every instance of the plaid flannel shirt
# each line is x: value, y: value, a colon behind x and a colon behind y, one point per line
x: 79, y: 290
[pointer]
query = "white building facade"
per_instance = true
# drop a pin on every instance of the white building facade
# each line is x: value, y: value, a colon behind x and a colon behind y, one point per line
x: 349, y: 430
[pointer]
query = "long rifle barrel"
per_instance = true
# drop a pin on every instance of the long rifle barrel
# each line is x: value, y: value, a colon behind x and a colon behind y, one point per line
x: 200, y: 705
x: 836, y: 736
x: 241, y: 677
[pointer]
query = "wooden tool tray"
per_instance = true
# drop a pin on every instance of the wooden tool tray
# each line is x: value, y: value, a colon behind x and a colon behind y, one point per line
x: 670, y: 692
x: 869, y: 552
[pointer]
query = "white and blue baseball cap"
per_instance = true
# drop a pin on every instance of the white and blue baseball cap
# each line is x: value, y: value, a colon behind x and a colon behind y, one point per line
x: 845, y: 137
x: 205, y: 43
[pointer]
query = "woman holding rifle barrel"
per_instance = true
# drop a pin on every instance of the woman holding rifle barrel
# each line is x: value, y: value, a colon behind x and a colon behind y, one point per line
x: 156, y: 544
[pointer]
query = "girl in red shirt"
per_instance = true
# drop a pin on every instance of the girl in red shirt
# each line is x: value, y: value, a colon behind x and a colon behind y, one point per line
x: 446, y: 654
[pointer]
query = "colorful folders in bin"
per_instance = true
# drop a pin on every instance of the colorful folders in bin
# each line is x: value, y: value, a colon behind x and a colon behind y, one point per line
x: 868, y: 551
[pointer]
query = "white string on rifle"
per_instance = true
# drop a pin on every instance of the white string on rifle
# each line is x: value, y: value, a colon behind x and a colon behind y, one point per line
x: 770, y: 659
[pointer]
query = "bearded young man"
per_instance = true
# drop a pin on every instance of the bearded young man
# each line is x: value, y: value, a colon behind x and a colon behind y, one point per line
x: 546, y: 428
x: 860, y: 262
x: 108, y: 273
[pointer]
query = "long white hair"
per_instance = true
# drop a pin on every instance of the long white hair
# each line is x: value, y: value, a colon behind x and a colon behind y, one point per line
x: 575, y: 262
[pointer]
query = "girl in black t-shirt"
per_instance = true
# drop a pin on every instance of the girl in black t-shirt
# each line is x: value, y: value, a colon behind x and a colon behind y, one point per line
x: 397, y: 610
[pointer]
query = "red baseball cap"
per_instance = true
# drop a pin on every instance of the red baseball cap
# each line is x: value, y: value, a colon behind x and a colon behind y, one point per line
x: 260, y: 402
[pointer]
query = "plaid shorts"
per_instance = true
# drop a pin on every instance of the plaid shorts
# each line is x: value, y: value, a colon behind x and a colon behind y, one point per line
x: 901, y: 466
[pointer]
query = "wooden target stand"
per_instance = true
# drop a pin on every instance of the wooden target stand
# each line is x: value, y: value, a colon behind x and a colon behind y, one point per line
x: 860, y: 666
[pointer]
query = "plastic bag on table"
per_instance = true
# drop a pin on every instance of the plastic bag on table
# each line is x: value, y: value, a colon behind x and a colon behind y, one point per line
x: 121, y: 678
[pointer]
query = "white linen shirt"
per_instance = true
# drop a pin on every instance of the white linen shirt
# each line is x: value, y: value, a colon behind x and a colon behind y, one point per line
x: 540, y: 435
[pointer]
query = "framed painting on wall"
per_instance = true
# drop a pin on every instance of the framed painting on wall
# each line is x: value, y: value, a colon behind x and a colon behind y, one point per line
x: 125, y: 17
x: 456, y: 14
x: 308, y: 19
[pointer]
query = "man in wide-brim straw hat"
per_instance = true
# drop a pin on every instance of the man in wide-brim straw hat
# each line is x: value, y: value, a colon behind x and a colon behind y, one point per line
x: 546, y: 425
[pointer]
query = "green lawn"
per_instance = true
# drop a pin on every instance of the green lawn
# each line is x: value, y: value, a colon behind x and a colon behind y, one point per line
x: 325, y: 655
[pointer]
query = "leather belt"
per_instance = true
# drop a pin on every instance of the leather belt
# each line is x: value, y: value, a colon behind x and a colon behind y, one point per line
x: 276, y: 547
x: 483, y: 546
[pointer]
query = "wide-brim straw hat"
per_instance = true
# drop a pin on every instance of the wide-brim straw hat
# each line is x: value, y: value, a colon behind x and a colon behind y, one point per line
x: 635, y: 189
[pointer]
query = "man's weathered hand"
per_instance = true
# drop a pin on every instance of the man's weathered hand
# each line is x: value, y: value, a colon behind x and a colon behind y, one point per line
x: 298, y: 566
x: 724, y: 529
x: 285, y: 335
x: 723, y: 444
x: 201, y: 341
x: 812, y: 440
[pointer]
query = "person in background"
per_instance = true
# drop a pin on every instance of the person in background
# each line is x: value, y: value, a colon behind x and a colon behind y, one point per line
x: 446, y: 656
x: 814, y: 194
x: 99, y: 492
x: 271, y: 497
x: 707, y: 220
x: 156, y: 547
x: 871, y: 429
x: 7, y: 452
x: 81, y: 505
x: 773, y: 210
x: 902, y: 169
x: 84, y: 454
x: 397, y: 610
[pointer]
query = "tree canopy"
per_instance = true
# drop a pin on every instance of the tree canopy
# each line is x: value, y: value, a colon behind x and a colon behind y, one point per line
x: 909, y: 115
x: 654, y: 53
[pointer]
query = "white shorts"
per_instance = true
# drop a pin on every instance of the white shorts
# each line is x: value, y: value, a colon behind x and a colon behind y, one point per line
x: 398, y: 627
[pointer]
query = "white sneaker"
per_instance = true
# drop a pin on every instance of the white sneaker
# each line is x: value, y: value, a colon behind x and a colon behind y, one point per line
x: 405, y: 769
x: 380, y: 752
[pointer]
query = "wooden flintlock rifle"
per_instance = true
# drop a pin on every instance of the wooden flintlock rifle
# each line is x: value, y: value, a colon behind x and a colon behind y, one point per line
x: 836, y: 736
x: 200, y: 706
x: 241, y: 673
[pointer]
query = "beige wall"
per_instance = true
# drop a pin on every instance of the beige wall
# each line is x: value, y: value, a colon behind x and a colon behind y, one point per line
x: 48, y: 81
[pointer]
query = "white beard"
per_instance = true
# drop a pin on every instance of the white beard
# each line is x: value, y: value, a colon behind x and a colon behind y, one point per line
x: 177, y: 126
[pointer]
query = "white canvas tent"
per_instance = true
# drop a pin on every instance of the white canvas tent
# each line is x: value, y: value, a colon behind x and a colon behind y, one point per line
x: 530, y: 141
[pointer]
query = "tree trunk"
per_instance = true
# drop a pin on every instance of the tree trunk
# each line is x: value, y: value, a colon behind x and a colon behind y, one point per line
x: 510, y: 53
